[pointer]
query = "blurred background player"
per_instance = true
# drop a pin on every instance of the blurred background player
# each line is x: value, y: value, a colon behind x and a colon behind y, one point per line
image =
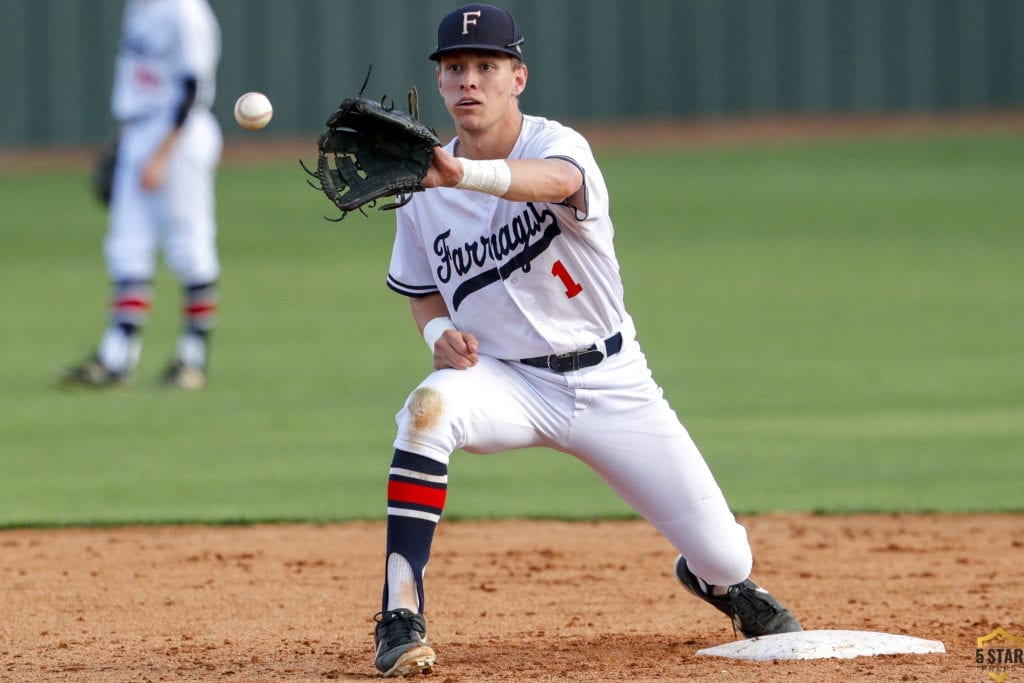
x: 163, y: 188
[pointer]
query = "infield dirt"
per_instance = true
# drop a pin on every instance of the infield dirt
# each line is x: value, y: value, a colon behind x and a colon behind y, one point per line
x: 507, y: 600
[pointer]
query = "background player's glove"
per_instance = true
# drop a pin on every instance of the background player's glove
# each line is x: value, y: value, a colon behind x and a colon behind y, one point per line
x: 102, y: 177
x: 372, y: 150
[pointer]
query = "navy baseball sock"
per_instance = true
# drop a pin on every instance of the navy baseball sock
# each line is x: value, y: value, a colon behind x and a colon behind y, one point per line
x: 417, y: 487
x: 199, y: 311
x: 130, y: 304
x: 201, y: 307
x: 129, y: 311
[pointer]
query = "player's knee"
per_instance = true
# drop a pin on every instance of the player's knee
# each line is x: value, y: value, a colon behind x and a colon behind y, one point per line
x: 427, y: 425
x: 424, y: 409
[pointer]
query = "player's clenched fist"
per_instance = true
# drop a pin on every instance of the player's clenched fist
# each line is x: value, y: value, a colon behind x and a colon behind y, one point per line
x: 455, y: 349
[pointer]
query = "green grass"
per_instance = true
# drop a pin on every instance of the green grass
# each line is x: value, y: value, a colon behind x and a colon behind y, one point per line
x: 839, y: 325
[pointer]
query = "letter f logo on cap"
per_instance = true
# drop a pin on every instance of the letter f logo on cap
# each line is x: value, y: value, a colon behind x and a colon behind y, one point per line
x: 469, y: 19
x: 467, y: 28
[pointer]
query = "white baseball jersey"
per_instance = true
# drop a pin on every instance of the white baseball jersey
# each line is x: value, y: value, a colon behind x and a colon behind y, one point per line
x: 528, y: 279
x: 163, y: 42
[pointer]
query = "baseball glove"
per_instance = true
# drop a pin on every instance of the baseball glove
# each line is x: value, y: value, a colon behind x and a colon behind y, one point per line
x: 369, y: 151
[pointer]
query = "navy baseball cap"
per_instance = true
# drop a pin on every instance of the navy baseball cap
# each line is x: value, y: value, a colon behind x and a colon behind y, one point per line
x: 478, y: 27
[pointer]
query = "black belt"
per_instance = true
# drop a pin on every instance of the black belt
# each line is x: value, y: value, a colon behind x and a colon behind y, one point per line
x: 575, y: 360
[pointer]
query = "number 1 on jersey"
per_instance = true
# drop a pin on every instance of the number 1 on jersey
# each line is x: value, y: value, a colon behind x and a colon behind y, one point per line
x: 572, y: 288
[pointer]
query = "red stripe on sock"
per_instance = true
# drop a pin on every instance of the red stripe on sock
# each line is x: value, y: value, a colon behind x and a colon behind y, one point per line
x: 133, y: 304
x: 404, y: 492
x: 201, y: 309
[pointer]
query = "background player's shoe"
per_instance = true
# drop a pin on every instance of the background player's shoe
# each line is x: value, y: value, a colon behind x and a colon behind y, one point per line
x: 184, y: 376
x: 401, y: 641
x: 92, y: 374
x: 752, y: 609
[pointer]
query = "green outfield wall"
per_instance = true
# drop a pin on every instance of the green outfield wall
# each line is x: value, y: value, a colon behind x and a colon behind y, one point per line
x: 591, y: 60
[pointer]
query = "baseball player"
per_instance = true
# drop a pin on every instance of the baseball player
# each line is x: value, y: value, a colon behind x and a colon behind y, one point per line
x: 163, y: 187
x: 512, y: 278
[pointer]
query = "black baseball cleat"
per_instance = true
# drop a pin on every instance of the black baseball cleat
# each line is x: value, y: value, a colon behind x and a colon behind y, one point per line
x: 401, y: 640
x: 92, y: 374
x: 752, y: 610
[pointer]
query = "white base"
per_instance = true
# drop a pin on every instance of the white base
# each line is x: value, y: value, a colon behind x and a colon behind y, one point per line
x: 823, y: 645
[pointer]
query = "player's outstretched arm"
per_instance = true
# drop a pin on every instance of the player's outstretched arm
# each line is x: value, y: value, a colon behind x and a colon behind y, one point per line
x: 521, y: 180
x: 543, y: 180
x: 452, y: 348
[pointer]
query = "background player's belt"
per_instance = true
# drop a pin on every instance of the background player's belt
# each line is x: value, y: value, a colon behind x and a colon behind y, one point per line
x: 574, y: 360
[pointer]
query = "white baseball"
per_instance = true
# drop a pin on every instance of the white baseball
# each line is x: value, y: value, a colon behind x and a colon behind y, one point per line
x: 253, y: 110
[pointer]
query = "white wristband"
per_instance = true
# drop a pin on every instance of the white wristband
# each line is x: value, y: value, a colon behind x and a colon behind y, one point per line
x: 490, y: 176
x: 433, y: 330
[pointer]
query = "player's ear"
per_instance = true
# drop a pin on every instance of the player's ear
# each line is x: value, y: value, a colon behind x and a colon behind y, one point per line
x: 519, y: 74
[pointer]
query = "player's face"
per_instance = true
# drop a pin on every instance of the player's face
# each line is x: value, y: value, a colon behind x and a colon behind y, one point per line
x: 480, y: 89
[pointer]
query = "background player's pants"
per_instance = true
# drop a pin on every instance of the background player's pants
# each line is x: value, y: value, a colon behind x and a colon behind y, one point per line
x: 612, y: 417
x: 179, y: 217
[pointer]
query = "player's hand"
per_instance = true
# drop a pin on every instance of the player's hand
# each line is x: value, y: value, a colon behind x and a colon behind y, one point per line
x: 445, y: 170
x: 154, y: 173
x: 456, y: 349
